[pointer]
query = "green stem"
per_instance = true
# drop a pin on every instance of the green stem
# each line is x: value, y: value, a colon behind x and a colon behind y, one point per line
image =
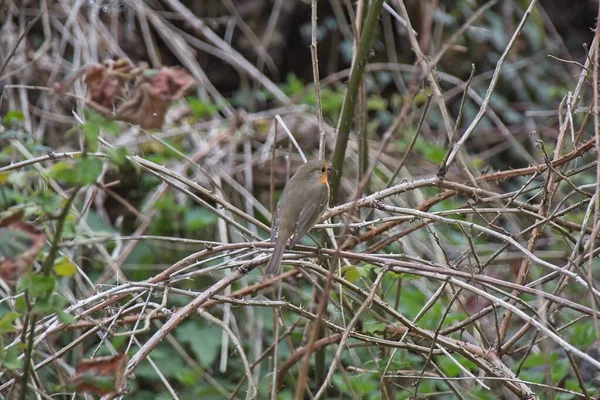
x: 356, y: 75
x: 27, y: 361
x: 49, y: 261
x: 45, y: 270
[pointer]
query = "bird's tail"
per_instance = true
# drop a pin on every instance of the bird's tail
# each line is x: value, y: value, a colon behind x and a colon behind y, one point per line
x: 273, y: 265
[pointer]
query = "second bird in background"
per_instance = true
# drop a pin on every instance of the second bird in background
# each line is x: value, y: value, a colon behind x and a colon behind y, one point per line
x: 303, y: 201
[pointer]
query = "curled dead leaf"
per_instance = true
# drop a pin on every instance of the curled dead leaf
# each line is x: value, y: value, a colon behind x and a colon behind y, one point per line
x: 153, y: 94
x: 144, y: 108
x: 106, y: 82
x: 170, y: 83
x: 102, y: 375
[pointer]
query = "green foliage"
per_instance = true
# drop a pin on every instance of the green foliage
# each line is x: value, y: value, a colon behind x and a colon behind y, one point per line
x: 93, y: 126
x: 331, y: 100
x: 84, y: 171
x: 117, y: 155
x: 9, y: 357
x: 530, y: 82
x: 201, y: 109
x: 38, y: 285
x: 13, y: 116
x: 451, y: 369
x: 87, y: 170
x: 205, y: 349
x: 582, y: 335
x: 353, y: 272
x: 430, y: 151
x: 64, y: 268
x: 198, y: 218
x: 374, y: 327
x: 536, y: 366
x: 7, y: 322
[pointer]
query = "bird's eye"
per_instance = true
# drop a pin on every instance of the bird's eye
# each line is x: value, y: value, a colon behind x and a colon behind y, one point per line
x: 323, y: 169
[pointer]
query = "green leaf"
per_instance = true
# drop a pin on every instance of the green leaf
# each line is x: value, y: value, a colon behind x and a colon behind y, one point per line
x: 65, y: 317
x: 18, y: 179
x: 205, y: 341
x: 111, y: 127
x: 293, y: 85
x: 63, y: 171
x: 65, y: 268
x: 91, y: 131
x: 350, y: 273
x: 560, y: 369
x: 7, y: 322
x: 20, y: 304
x: 198, y: 218
x: 10, y: 359
x: 376, y: 103
x: 201, y: 109
x: 13, y: 116
x: 87, y: 170
x: 371, y: 327
x: 435, y: 154
x: 41, y: 285
x: 117, y: 156
x: 394, y: 275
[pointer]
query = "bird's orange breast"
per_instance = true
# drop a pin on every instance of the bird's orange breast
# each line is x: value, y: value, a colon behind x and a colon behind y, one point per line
x: 323, y: 178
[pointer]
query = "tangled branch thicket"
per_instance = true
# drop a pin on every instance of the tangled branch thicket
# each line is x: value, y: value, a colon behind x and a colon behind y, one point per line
x: 460, y: 256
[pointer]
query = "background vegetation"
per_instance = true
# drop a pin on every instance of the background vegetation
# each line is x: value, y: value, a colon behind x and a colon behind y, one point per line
x: 143, y: 146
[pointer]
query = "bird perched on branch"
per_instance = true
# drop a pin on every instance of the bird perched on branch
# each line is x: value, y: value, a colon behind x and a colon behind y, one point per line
x: 302, y: 202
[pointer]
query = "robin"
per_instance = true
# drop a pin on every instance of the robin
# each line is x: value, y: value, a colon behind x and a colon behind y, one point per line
x: 302, y: 202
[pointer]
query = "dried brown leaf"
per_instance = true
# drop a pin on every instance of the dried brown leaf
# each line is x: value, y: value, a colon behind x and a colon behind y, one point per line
x: 102, y: 375
x: 171, y: 83
x: 144, y: 108
x: 153, y: 95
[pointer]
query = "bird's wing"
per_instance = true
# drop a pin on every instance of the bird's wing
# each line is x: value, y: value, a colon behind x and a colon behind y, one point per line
x: 275, y: 226
x: 310, y: 214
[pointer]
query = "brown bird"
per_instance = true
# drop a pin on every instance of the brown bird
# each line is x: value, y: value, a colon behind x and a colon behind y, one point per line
x: 302, y: 202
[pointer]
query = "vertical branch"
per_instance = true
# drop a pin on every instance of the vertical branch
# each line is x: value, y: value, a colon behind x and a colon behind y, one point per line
x: 596, y: 225
x: 356, y: 75
x: 361, y: 114
x: 315, y: 68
